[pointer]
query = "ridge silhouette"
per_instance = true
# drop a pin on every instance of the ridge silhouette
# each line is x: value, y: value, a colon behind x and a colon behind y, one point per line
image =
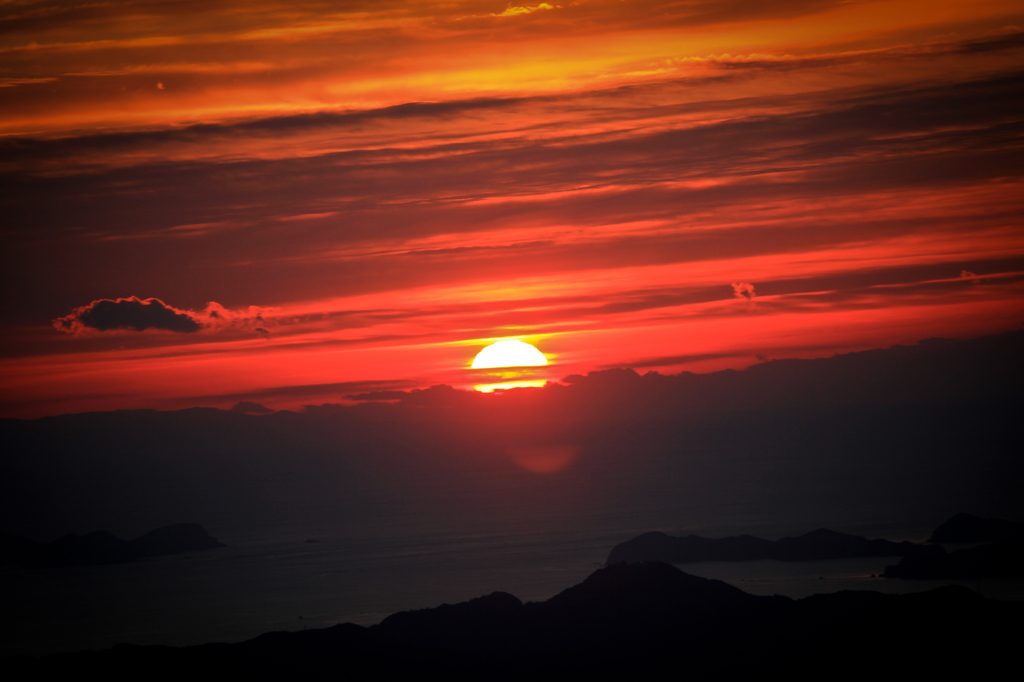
x: 642, y: 618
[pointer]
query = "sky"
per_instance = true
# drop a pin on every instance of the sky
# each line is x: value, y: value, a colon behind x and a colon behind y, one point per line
x: 208, y: 203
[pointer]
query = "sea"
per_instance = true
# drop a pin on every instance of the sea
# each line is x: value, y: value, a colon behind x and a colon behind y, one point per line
x: 258, y: 585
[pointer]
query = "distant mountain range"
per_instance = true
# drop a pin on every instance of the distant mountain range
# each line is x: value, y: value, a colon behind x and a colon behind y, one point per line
x: 1005, y: 558
x: 102, y: 547
x: 636, y: 619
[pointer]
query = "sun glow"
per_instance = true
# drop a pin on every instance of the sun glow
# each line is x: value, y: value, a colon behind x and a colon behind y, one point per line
x: 510, y: 353
x: 505, y: 386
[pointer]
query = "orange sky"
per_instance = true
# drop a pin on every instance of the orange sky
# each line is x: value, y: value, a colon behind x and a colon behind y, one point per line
x: 333, y: 198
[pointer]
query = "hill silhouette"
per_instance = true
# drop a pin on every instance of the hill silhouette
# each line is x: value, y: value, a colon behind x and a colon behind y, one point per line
x: 645, y: 618
x: 101, y: 547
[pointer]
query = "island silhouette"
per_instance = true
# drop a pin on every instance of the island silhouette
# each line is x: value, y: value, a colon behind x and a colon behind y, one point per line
x: 1001, y: 557
x: 818, y: 544
x: 101, y: 547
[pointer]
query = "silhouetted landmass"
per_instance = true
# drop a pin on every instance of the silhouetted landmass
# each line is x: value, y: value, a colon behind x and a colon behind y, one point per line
x: 181, y: 537
x: 101, y: 547
x: 968, y: 528
x: 637, y: 619
x: 818, y: 544
x: 1003, y: 559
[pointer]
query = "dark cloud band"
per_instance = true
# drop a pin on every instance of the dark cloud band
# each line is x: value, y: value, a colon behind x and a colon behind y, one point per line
x: 128, y: 313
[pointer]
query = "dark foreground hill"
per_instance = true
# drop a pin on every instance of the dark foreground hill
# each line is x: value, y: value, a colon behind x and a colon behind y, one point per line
x: 818, y: 544
x: 101, y: 547
x: 635, y: 619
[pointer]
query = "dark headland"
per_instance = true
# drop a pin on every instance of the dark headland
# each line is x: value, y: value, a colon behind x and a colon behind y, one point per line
x: 636, y: 619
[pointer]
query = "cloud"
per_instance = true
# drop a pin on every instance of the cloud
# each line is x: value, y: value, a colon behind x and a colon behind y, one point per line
x: 973, y: 276
x: 743, y: 290
x: 135, y: 314
x: 15, y: 82
x: 128, y: 313
x: 247, y: 407
x: 333, y: 390
x: 651, y: 447
x: 669, y: 360
x: 379, y: 395
x: 511, y: 11
x: 216, y: 317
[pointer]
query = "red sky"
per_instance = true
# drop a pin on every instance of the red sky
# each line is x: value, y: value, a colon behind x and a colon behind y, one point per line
x: 332, y: 198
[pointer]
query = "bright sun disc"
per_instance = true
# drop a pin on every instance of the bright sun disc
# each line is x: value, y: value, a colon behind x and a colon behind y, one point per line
x: 509, y: 354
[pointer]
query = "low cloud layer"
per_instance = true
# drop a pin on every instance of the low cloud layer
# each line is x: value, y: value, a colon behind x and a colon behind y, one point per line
x: 930, y: 425
x: 249, y: 407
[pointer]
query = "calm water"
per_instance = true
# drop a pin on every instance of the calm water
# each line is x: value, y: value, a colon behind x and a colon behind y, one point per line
x: 246, y: 589
x: 800, y: 579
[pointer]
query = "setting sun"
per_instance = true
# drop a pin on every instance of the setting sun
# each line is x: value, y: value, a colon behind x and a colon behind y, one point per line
x: 509, y: 353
